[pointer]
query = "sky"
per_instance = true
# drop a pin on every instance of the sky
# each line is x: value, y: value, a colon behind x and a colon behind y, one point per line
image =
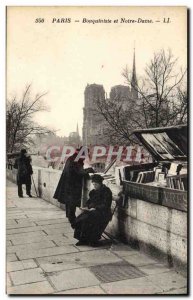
x: 62, y: 58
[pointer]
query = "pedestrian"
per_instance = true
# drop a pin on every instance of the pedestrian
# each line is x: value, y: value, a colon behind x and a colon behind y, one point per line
x: 69, y: 189
x: 24, y: 172
x: 91, y: 223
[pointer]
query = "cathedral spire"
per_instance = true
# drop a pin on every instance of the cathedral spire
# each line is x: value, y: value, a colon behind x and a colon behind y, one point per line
x: 77, y: 130
x: 134, y: 92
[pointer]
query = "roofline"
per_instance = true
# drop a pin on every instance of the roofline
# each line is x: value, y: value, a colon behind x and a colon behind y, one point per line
x: 159, y: 129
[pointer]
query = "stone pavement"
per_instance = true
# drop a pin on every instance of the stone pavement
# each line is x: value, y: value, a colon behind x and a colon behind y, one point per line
x: 42, y: 257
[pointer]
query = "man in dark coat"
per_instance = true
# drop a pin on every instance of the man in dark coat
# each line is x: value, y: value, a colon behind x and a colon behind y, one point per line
x: 90, y: 225
x: 23, y: 165
x: 69, y: 189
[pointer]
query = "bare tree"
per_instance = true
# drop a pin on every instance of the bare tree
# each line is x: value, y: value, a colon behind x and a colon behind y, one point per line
x: 20, y: 126
x: 118, y: 119
x: 181, y: 110
x: 162, y: 99
x: 160, y: 91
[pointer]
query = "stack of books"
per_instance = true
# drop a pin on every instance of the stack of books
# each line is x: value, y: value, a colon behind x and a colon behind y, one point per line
x: 177, y: 182
x: 145, y: 177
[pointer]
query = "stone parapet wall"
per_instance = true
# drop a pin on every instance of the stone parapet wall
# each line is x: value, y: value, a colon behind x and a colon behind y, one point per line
x: 155, y: 229
x: 44, y: 182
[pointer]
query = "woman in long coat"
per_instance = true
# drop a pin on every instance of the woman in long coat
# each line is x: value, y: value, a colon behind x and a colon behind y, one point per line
x: 90, y: 225
x: 69, y: 187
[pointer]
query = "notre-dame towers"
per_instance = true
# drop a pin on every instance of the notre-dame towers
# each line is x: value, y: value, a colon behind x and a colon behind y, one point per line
x: 93, y: 123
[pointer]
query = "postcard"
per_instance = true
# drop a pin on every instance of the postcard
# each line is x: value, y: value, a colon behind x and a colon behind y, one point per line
x: 97, y: 104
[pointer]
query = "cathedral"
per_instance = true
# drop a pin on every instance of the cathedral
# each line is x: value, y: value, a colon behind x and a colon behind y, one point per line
x: 94, y: 123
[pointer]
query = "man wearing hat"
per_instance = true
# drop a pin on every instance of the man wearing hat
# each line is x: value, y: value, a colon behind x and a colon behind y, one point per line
x: 69, y: 189
x: 24, y: 172
x: 90, y: 225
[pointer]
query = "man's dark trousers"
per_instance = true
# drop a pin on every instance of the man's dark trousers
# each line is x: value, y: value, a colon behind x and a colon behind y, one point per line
x: 70, y: 213
x: 28, y: 189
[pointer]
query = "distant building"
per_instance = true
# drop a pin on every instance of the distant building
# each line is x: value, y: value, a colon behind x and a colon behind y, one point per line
x: 94, y: 123
x: 92, y: 132
x: 42, y: 142
x: 74, y: 138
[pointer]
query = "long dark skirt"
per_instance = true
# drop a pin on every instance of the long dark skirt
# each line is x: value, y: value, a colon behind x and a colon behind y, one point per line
x: 90, y: 225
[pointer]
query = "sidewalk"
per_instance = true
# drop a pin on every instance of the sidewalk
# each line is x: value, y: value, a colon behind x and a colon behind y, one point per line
x: 42, y: 257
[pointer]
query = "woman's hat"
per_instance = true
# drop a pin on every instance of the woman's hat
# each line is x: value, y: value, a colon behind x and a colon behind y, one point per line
x: 97, y: 178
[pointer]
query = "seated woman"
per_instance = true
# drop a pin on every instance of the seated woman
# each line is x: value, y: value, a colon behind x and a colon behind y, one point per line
x: 90, y: 224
